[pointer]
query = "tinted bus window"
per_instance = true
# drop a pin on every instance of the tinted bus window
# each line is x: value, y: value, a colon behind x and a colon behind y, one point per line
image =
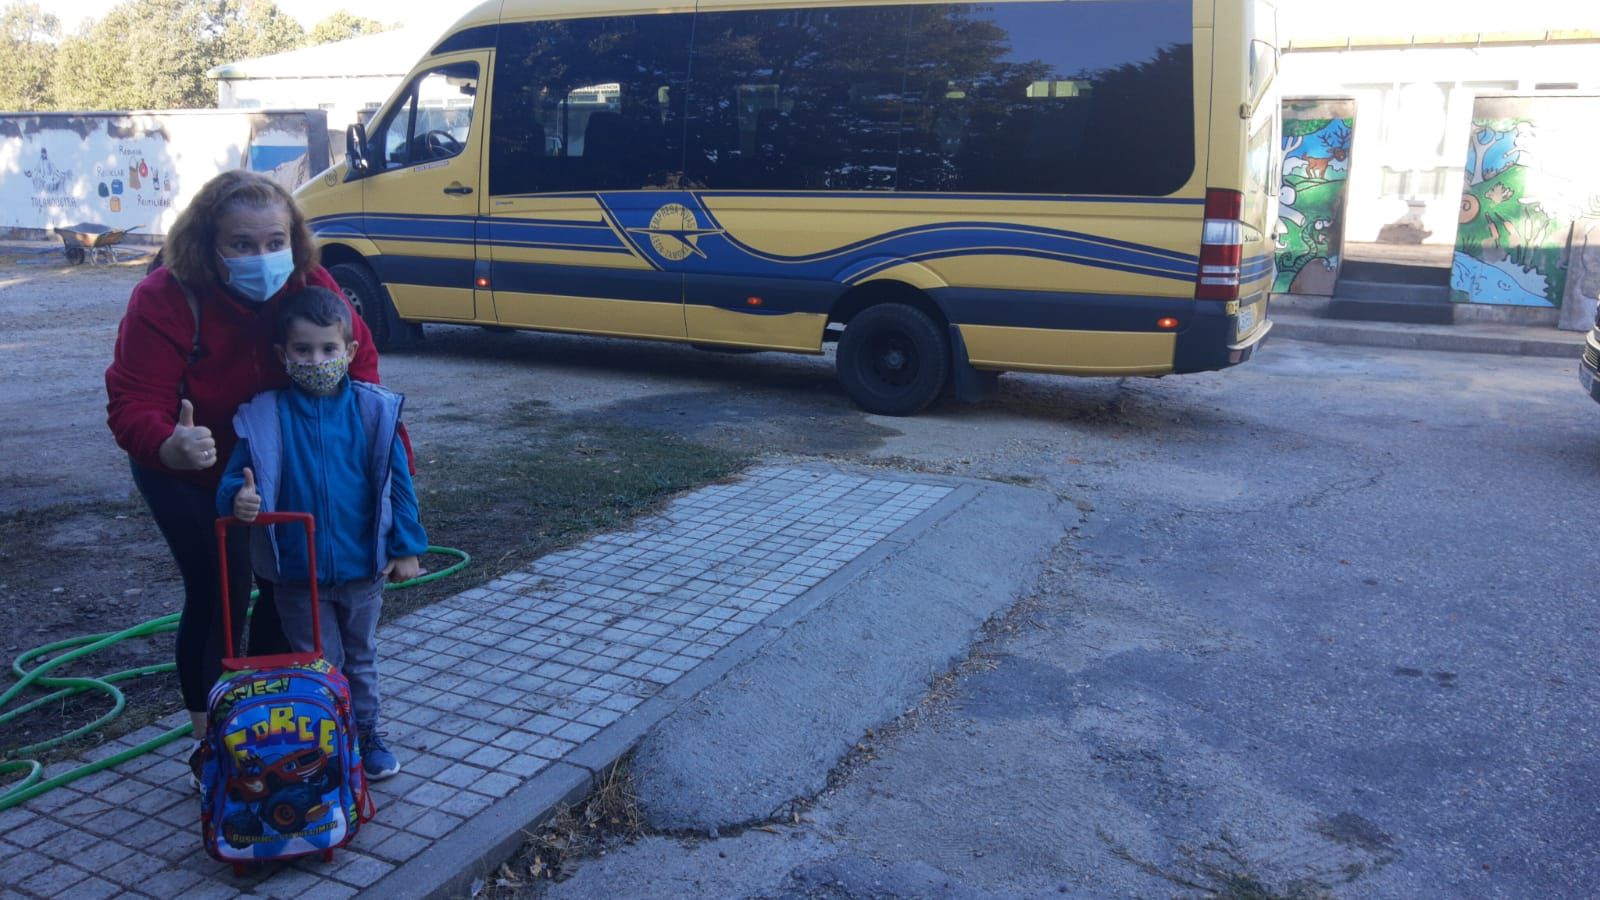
x: 588, y: 104
x: 797, y: 99
x: 1068, y: 98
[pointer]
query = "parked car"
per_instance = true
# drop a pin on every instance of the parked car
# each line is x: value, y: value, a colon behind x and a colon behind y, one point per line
x: 1589, y: 366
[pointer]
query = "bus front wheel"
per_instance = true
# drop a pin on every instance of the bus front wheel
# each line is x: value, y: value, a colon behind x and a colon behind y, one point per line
x: 372, y: 303
x: 893, y: 359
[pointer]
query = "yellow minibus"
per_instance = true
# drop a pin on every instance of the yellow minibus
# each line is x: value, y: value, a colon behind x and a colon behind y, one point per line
x: 946, y: 190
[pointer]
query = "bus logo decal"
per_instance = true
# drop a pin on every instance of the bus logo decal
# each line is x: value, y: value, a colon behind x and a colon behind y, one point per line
x: 675, y: 232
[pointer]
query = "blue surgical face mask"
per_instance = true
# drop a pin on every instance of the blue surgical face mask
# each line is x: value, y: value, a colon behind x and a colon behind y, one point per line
x: 257, y: 278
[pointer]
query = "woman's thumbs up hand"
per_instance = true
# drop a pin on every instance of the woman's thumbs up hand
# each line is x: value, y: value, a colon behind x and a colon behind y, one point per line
x: 190, y: 446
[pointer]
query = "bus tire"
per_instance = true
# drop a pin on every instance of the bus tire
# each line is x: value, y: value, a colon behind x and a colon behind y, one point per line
x: 893, y: 359
x: 367, y: 294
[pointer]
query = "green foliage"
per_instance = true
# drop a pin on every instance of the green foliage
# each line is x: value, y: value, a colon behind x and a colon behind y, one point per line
x: 1303, y: 127
x: 342, y: 26
x: 1316, y: 200
x: 1503, y: 124
x: 257, y: 28
x: 1498, y: 224
x: 30, y: 36
x: 154, y: 54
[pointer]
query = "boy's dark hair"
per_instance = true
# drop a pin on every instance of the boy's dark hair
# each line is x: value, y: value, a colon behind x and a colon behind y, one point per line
x: 316, y: 305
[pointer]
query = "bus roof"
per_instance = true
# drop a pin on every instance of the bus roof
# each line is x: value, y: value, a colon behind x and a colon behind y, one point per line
x: 492, y: 12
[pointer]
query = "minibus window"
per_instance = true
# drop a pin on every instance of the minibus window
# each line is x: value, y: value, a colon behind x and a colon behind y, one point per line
x: 433, y: 120
x: 1025, y: 97
x: 1082, y: 97
x: 1263, y: 69
x: 797, y: 98
x: 588, y: 104
x: 1263, y: 61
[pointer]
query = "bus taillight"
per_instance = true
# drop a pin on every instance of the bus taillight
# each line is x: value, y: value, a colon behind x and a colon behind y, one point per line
x: 1221, y: 246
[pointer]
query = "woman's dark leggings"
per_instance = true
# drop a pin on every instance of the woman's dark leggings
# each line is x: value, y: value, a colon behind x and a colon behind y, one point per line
x: 186, y: 515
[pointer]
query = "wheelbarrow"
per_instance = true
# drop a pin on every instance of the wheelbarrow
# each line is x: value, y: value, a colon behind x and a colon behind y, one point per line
x: 91, y: 241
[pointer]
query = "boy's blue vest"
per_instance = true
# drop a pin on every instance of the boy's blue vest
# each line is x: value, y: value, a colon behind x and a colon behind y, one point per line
x: 257, y: 422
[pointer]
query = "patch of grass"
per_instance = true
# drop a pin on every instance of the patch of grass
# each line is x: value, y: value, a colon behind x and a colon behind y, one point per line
x: 560, y: 482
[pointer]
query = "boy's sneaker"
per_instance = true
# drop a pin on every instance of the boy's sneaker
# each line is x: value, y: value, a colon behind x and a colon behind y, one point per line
x: 376, y: 759
x: 195, y: 767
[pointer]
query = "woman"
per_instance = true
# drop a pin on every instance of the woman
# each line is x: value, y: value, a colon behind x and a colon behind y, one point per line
x: 195, y: 343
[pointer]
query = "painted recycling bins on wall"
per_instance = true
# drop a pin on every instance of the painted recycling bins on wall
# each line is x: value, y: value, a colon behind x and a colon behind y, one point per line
x: 1316, y: 169
x: 1530, y: 175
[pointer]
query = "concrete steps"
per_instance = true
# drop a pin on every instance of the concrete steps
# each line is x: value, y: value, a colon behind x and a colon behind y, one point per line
x: 1392, y: 292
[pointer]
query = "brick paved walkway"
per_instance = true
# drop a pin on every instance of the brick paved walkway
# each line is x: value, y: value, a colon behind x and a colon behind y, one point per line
x: 486, y: 689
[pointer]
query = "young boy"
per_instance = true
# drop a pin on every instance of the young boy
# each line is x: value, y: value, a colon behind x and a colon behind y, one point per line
x: 328, y: 446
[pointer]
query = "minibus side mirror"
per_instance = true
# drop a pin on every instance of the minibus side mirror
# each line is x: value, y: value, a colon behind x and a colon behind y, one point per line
x: 355, y: 150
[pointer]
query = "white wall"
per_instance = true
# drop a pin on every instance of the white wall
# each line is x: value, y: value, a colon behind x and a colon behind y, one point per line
x: 141, y: 169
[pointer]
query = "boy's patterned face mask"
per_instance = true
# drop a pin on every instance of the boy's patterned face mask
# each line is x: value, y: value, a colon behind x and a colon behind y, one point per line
x: 318, y: 378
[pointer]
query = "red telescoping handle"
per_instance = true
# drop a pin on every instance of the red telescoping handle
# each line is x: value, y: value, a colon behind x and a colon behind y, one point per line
x: 235, y: 663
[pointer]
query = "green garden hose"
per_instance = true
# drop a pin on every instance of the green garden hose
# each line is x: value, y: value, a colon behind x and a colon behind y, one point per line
x: 33, y: 783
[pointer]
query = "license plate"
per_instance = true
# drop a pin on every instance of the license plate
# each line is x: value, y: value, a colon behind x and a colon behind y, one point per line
x: 1247, y: 319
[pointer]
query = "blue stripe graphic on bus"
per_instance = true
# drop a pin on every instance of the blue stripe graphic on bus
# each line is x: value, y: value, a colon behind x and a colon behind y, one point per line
x: 677, y: 233
x: 351, y: 226
x: 548, y: 234
x: 1255, y: 268
x: 681, y: 235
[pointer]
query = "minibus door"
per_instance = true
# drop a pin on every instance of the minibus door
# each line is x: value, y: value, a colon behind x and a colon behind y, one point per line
x: 586, y: 144
x: 422, y: 200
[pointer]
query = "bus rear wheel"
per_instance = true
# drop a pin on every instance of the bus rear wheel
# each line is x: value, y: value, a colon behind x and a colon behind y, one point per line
x: 894, y: 359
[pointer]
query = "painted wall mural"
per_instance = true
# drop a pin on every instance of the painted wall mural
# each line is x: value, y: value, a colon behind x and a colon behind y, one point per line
x: 131, y: 170
x: 1529, y: 178
x: 1316, y: 169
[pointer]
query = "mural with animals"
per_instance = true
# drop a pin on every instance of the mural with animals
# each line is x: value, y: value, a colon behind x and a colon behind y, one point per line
x: 1528, y: 178
x: 1316, y: 167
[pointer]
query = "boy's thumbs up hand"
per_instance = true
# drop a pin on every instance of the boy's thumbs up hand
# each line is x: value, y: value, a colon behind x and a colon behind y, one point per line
x: 247, y: 502
x: 190, y: 446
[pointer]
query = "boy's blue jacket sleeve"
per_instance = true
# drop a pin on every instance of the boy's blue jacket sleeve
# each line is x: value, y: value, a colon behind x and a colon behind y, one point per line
x: 406, y: 537
x: 233, y: 477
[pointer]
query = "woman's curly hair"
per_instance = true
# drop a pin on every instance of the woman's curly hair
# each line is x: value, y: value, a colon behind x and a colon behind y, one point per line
x: 191, y: 248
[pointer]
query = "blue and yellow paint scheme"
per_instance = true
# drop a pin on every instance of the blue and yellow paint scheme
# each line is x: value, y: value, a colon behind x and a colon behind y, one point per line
x: 1086, y: 285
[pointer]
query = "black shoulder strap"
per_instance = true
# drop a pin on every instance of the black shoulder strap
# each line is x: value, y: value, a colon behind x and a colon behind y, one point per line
x: 194, y: 310
x: 194, y: 342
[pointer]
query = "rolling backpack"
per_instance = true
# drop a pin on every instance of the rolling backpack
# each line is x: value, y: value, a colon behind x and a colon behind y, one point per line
x: 281, y: 772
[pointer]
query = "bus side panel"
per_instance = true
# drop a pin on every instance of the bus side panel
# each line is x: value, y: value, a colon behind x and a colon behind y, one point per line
x: 1130, y: 251
x: 1069, y: 352
x: 558, y: 263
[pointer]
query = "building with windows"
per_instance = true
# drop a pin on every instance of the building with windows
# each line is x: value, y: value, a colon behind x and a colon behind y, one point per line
x: 1414, y: 96
x: 346, y: 79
